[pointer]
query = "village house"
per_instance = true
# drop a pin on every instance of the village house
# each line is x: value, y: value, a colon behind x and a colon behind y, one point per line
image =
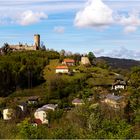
x: 50, y: 106
x: 41, y: 113
x: 14, y: 113
x: 8, y: 113
x: 33, y: 100
x: 119, y: 83
x: 114, y: 101
x: 77, y: 102
x: 68, y: 62
x: 62, y: 69
x: 23, y: 106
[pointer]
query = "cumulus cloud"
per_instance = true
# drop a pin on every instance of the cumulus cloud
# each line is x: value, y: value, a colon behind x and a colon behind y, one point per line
x: 98, y: 14
x: 123, y: 52
x: 30, y: 17
x: 95, y: 13
x: 59, y: 29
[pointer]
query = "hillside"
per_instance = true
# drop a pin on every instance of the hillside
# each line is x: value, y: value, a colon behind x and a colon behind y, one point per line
x: 120, y: 63
x: 87, y: 102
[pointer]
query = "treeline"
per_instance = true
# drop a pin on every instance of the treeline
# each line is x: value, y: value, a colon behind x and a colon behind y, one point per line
x: 23, y: 69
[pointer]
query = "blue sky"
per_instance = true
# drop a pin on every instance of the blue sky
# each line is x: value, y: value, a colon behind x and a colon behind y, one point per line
x: 106, y: 27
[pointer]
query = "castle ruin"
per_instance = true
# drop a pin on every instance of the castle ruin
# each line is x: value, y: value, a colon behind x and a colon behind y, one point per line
x: 21, y: 47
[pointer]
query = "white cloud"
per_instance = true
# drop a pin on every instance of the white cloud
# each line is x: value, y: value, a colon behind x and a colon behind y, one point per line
x: 30, y: 17
x: 130, y: 22
x: 95, y: 14
x: 59, y: 29
x: 123, y: 52
x: 20, y: 11
x: 131, y: 19
x: 98, y: 14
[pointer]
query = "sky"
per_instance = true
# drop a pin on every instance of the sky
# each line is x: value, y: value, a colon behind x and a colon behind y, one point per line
x: 105, y: 27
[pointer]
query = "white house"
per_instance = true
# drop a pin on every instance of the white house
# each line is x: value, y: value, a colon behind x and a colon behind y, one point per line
x: 62, y: 69
x: 41, y: 113
x: 119, y: 85
x: 8, y: 113
x: 116, y: 87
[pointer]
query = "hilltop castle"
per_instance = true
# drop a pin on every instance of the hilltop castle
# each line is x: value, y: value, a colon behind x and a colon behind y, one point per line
x: 21, y: 47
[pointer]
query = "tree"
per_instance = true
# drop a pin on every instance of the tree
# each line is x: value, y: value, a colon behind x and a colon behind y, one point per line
x: 77, y: 58
x: 135, y: 77
x: 91, y: 57
x: 6, y: 49
x: 65, y: 131
x: 62, y: 53
x: 27, y: 131
x: 114, y: 129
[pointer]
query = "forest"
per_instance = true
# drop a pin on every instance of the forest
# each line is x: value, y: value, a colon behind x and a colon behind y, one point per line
x: 32, y: 73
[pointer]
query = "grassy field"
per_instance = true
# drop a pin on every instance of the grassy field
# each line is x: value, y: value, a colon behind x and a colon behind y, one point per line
x: 49, y: 70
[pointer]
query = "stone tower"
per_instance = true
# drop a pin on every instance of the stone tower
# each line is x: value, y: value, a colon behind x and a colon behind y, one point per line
x: 85, y: 61
x: 37, y: 41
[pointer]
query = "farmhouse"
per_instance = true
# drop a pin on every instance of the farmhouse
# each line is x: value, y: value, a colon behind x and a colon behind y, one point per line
x: 62, y: 69
x: 68, y: 62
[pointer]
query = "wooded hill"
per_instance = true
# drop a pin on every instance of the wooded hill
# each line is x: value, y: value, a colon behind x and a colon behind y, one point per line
x: 120, y: 63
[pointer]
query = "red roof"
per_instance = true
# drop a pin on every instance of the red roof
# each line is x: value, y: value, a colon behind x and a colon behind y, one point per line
x: 61, y: 67
x: 69, y: 60
x: 38, y: 121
